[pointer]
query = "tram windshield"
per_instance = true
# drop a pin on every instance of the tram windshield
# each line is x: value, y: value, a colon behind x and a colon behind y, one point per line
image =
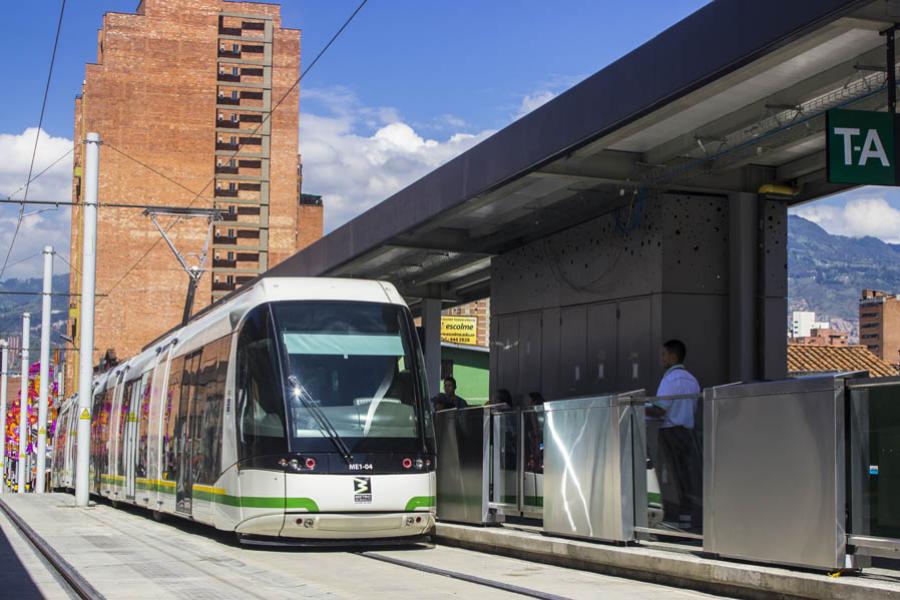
x: 352, y: 377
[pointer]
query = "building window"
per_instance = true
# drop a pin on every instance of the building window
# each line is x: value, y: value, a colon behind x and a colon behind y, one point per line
x: 235, y: 70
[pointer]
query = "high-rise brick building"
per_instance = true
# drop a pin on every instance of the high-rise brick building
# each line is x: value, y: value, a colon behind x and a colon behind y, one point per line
x: 181, y: 86
x: 879, y: 324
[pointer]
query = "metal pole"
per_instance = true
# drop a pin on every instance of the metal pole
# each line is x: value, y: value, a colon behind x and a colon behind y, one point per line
x: 21, y: 473
x: 4, y: 362
x: 86, y: 347
x: 45, y: 371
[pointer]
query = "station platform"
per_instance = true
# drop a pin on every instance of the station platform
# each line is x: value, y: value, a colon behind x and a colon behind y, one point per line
x: 124, y: 553
x: 673, y: 565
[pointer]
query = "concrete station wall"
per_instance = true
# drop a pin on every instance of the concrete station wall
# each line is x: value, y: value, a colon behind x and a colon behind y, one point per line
x: 586, y: 310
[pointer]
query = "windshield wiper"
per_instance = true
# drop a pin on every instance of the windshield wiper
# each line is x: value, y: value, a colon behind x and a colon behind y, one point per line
x: 324, y: 424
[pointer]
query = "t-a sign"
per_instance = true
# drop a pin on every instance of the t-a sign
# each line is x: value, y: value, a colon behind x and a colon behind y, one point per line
x: 861, y: 147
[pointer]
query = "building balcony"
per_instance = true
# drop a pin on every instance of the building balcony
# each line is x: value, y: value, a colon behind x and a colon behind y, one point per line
x: 229, y: 100
x: 228, y: 53
x: 253, y: 26
x: 229, y: 30
x: 228, y: 124
x: 228, y: 77
x: 225, y: 193
x: 227, y: 146
x: 226, y: 170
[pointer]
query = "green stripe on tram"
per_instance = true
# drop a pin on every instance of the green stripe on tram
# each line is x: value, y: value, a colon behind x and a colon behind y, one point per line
x: 420, y: 502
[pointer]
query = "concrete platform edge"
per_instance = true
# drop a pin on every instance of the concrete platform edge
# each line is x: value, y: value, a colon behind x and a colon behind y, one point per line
x: 667, y: 568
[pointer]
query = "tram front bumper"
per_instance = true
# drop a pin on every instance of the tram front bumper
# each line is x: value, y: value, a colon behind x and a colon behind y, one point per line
x: 343, y: 526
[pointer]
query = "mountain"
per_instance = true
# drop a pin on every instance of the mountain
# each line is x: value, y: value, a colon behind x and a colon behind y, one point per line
x: 13, y: 302
x: 826, y: 272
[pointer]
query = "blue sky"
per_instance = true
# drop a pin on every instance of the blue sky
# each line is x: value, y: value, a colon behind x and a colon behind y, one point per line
x: 409, y: 85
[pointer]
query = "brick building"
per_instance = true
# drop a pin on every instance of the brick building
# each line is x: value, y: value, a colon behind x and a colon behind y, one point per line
x: 481, y: 311
x: 188, y: 88
x: 879, y: 324
x: 825, y: 336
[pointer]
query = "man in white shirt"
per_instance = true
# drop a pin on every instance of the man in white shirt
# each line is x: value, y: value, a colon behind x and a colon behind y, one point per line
x: 674, y: 407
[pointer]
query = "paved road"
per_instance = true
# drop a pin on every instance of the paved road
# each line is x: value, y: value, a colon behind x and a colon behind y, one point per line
x: 125, y: 554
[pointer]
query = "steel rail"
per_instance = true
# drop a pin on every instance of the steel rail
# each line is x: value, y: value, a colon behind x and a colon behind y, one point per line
x: 70, y: 575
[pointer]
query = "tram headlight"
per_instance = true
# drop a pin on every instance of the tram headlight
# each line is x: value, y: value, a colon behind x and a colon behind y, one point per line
x: 407, y: 463
x: 310, y: 463
x: 295, y: 464
x: 420, y: 463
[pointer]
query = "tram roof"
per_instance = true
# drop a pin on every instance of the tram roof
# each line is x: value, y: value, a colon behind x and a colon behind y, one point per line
x: 731, y: 97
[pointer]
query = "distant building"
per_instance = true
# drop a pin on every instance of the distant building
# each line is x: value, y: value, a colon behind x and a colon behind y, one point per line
x: 802, y: 322
x: 879, y: 324
x: 809, y: 360
x: 479, y: 313
x: 178, y: 88
x: 823, y: 336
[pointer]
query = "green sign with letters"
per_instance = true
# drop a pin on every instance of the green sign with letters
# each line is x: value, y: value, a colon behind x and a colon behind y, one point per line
x: 861, y: 147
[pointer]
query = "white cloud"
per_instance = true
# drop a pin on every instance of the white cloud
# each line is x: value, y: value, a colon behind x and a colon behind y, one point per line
x: 534, y: 100
x: 41, y: 225
x: 859, y: 217
x: 356, y: 156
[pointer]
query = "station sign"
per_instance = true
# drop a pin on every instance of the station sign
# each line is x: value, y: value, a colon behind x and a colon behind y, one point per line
x: 861, y: 147
x: 459, y: 330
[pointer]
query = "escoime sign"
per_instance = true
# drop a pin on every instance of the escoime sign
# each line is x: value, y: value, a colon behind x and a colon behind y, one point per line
x: 459, y: 330
x: 861, y: 147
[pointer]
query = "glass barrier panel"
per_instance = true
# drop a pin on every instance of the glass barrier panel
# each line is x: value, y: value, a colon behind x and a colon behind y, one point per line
x: 668, y: 442
x: 875, y: 460
x: 533, y: 457
x: 504, y: 470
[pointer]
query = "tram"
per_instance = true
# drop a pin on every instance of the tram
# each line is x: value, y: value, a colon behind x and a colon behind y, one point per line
x: 296, y: 409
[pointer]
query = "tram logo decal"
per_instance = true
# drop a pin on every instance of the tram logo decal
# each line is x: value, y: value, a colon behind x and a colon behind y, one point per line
x: 362, y: 490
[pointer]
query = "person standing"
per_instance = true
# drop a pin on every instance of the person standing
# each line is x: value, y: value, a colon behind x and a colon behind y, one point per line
x: 448, y: 399
x: 674, y: 407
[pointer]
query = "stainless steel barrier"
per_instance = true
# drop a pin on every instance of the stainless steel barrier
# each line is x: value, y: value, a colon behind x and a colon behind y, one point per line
x: 517, y: 462
x: 463, y: 465
x: 774, y: 480
x: 589, y: 466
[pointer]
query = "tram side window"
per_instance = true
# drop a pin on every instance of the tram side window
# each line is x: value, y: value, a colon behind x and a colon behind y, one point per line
x: 207, y: 417
x: 140, y: 463
x: 95, y: 431
x: 170, y: 437
x: 105, y: 420
x: 260, y: 406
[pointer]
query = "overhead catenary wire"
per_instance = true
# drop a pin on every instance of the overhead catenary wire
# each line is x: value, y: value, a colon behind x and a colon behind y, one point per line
x: 268, y: 116
x: 9, y: 197
x: 37, y: 136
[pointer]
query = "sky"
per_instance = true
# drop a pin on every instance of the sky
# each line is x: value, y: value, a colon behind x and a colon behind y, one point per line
x: 409, y: 85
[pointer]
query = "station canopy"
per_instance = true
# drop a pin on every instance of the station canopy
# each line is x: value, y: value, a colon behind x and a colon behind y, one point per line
x: 731, y: 99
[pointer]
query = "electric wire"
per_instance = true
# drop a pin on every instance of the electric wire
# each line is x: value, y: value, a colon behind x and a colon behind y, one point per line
x: 268, y: 116
x: 9, y: 197
x: 37, y: 136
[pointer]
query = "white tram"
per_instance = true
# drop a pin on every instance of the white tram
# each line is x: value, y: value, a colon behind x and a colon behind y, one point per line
x: 296, y: 409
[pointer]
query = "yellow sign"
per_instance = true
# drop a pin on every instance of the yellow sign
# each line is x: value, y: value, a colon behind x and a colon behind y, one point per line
x: 459, y: 330
x: 85, y: 415
x: 42, y: 431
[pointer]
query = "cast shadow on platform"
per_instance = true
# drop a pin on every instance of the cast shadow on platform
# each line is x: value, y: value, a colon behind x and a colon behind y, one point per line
x: 15, y: 582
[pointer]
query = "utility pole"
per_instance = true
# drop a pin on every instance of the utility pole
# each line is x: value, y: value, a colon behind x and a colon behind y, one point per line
x: 86, y: 349
x: 4, y: 349
x: 21, y: 471
x: 45, y: 371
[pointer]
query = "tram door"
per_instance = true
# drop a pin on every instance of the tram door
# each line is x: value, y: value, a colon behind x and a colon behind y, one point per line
x: 184, y: 480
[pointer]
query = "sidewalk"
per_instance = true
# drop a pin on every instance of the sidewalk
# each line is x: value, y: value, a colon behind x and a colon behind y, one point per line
x: 672, y: 566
